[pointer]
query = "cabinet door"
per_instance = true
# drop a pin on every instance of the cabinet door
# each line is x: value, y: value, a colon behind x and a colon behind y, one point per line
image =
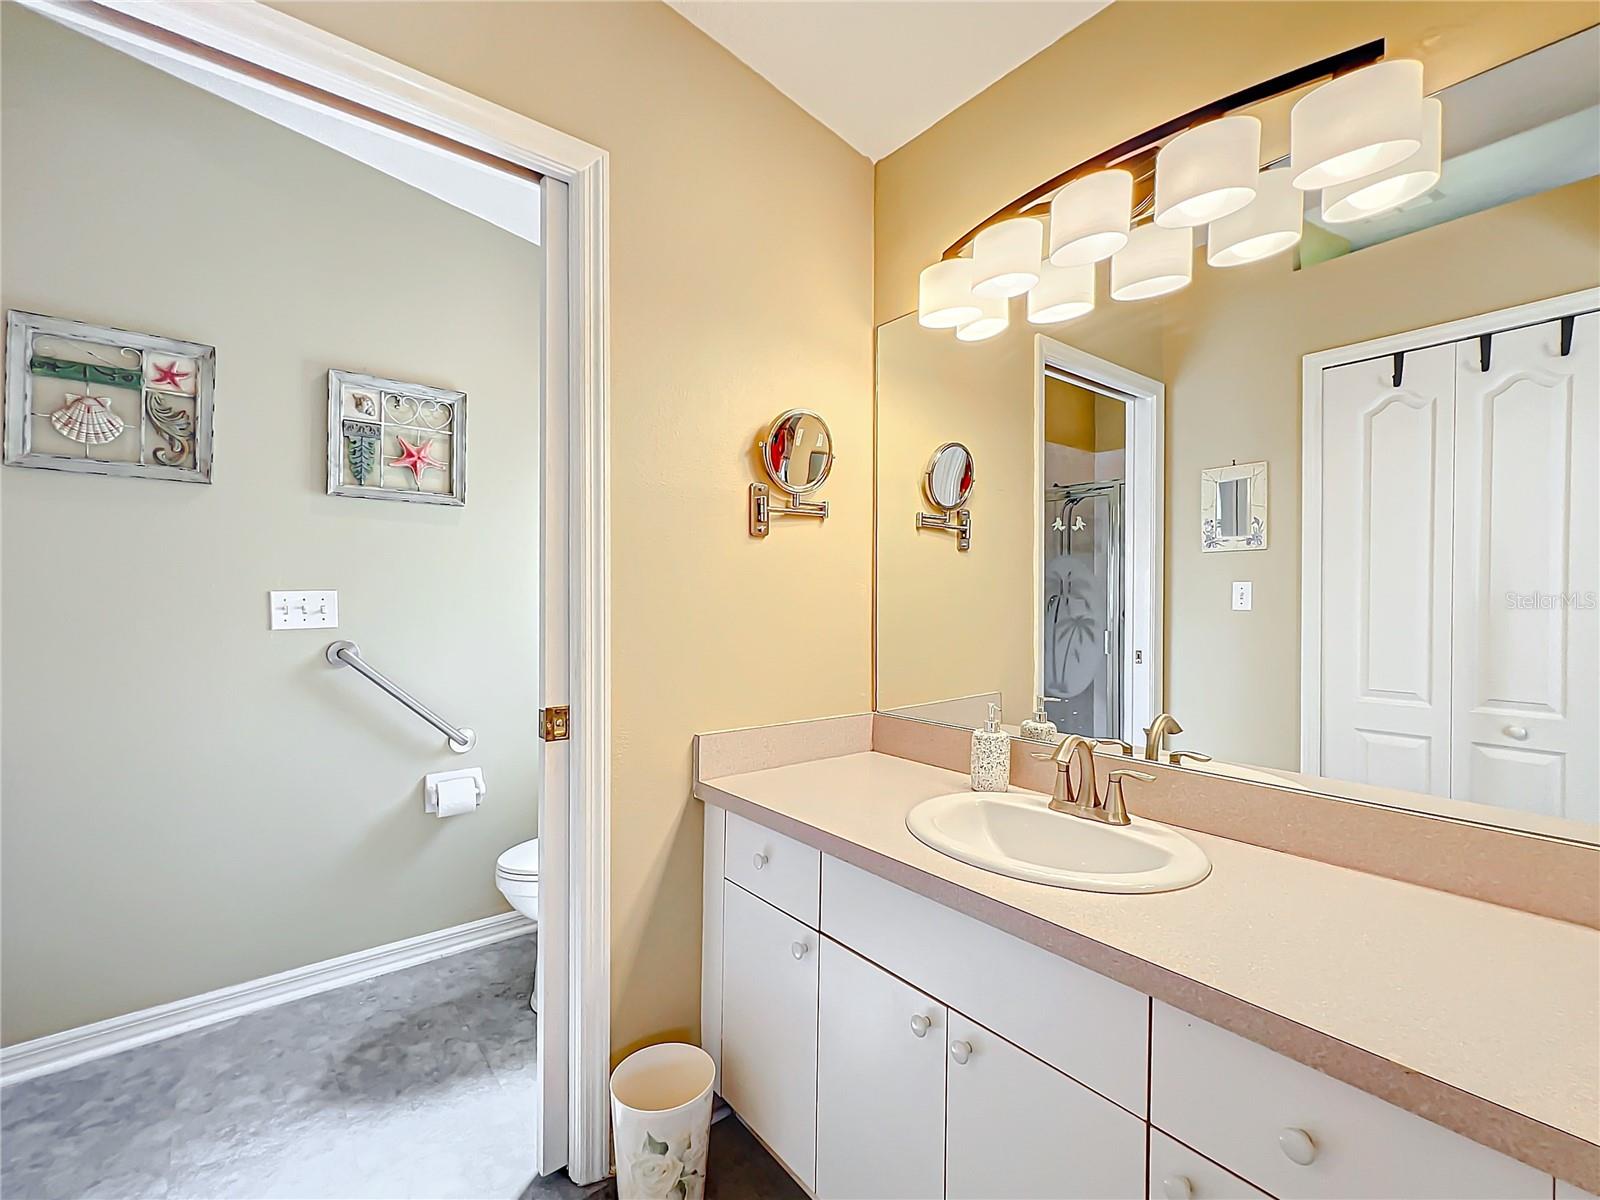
x: 1527, y: 560
x: 880, y: 1084
x: 1178, y: 1173
x: 1018, y: 1129
x: 769, y: 1027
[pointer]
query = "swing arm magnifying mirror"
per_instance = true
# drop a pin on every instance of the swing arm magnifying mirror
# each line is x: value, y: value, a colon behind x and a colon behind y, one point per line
x: 948, y: 483
x: 797, y: 455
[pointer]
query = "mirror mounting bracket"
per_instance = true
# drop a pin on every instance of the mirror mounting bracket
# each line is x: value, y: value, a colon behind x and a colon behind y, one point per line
x: 763, y: 510
x: 958, y: 522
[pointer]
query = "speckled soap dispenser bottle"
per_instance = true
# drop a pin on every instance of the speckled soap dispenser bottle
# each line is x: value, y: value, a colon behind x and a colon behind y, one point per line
x: 1039, y: 727
x: 991, y: 755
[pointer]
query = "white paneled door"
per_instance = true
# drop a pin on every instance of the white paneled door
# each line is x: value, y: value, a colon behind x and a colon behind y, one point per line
x: 1527, y: 709
x: 1386, y: 508
x: 1460, y: 538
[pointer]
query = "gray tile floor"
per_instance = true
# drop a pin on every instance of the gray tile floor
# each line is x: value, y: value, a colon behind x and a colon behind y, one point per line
x: 416, y: 1084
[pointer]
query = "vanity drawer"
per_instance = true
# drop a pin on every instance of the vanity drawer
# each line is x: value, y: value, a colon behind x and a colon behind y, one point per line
x: 782, y: 871
x: 1303, y: 1135
x: 1083, y: 1024
x: 1178, y: 1173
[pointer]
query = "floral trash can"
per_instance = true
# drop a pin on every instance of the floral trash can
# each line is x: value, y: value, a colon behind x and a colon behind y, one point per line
x: 661, y: 1122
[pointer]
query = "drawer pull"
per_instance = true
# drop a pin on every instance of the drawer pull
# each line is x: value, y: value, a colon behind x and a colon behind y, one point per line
x: 920, y: 1025
x: 1297, y: 1146
x: 961, y: 1051
x: 799, y: 950
x: 1177, y: 1187
x: 1517, y: 733
x: 760, y: 860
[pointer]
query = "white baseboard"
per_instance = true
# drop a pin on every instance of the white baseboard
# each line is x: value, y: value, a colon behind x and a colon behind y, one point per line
x: 27, y: 1060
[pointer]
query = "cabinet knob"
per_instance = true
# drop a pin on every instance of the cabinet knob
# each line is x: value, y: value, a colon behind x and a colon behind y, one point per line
x: 920, y: 1025
x: 1177, y: 1187
x: 760, y: 860
x: 799, y: 950
x: 1517, y: 733
x: 961, y: 1051
x: 1297, y: 1146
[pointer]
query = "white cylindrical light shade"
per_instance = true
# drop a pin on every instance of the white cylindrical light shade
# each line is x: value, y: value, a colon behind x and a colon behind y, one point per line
x: 1268, y: 225
x: 1207, y: 172
x: 1089, y: 218
x: 1357, y: 124
x: 944, y: 294
x: 1154, y: 262
x: 1005, y: 258
x: 1062, y: 294
x: 1390, y: 188
x: 993, y: 319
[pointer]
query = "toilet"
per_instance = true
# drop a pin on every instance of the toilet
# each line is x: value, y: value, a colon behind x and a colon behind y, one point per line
x: 516, y: 874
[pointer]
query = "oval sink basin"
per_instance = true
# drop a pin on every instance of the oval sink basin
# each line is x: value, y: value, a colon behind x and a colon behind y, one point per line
x: 1016, y: 834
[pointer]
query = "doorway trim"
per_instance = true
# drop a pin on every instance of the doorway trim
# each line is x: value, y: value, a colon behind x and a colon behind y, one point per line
x: 1312, y: 366
x: 246, y: 40
x: 1145, y: 520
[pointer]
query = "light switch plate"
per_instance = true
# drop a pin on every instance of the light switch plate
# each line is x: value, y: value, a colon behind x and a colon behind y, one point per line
x: 303, y: 610
x: 1241, y: 595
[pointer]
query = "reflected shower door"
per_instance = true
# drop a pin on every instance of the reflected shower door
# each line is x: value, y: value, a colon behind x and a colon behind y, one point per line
x: 1083, y: 608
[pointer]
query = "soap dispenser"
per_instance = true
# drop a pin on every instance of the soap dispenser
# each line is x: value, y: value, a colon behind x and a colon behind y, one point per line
x: 1039, y: 727
x: 991, y: 755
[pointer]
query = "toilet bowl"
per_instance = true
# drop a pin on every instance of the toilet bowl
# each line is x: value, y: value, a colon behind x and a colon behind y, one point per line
x: 516, y: 874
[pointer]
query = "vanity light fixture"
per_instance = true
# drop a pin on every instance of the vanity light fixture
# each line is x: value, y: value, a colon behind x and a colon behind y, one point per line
x: 1089, y: 218
x: 1390, y: 188
x: 1207, y: 172
x: 1005, y: 258
x: 993, y: 317
x: 1268, y: 225
x: 1356, y: 124
x: 1063, y: 294
x: 1155, y: 261
x: 944, y: 295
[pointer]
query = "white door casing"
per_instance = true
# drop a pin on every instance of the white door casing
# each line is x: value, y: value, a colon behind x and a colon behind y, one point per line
x: 1526, y: 704
x: 1386, y: 571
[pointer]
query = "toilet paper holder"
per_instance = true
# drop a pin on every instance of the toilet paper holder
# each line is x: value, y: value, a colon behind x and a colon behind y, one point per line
x: 452, y: 787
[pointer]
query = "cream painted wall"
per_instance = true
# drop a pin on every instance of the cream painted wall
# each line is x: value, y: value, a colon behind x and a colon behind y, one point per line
x: 741, y: 264
x: 191, y: 801
x: 1229, y: 349
x: 1154, y: 59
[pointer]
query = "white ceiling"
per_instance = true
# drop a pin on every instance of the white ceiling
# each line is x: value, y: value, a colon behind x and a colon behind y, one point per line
x: 879, y: 72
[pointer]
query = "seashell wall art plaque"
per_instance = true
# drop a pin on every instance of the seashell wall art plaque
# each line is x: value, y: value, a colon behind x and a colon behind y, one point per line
x: 391, y: 440
x: 106, y: 401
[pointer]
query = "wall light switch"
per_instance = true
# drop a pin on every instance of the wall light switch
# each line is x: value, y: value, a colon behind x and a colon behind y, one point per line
x: 1241, y: 595
x: 304, y: 610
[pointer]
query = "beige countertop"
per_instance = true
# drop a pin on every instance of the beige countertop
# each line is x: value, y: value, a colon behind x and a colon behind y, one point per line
x: 1481, y: 1018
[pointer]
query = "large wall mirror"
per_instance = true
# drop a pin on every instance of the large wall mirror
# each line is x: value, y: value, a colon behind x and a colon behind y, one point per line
x: 1397, y: 424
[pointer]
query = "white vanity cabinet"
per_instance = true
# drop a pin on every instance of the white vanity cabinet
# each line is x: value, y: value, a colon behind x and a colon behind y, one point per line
x: 883, y: 1045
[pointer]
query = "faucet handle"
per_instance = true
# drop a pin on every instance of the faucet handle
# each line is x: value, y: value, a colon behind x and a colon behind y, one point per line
x: 1177, y: 756
x: 1116, y: 807
x: 1126, y: 747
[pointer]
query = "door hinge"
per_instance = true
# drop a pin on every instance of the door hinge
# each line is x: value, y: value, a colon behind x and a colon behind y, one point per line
x: 555, y: 724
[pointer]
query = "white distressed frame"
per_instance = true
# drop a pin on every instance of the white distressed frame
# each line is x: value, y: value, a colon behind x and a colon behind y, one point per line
x: 575, y: 917
x: 1144, y: 497
x: 1311, y: 368
x: 457, y: 401
x: 1211, y: 479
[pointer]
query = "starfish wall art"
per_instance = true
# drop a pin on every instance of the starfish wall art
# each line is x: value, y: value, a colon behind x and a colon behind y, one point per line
x: 106, y: 401
x: 391, y: 440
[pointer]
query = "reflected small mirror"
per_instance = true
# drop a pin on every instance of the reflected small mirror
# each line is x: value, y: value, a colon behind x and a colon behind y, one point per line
x: 1233, y: 507
x: 798, y: 451
x: 949, y: 478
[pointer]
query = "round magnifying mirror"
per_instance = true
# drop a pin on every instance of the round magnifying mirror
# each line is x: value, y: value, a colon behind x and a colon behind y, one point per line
x: 949, y: 479
x: 798, y: 452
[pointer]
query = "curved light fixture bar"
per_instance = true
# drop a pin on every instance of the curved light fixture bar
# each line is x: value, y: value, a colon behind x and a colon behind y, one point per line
x: 1137, y: 154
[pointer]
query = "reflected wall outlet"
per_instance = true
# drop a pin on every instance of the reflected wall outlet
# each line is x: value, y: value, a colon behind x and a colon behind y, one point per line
x: 1241, y: 596
x: 303, y: 610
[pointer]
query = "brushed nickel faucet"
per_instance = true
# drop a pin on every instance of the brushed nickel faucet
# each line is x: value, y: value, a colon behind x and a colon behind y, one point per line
x: 1082, y: 799
x: 1164, y: 724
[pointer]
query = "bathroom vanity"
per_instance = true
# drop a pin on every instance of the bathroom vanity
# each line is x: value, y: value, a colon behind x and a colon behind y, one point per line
x: 891, y: 1021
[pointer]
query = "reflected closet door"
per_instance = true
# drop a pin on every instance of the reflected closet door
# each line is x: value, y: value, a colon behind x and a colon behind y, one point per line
x: 1527, y: 728
x: 1386, y: 571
